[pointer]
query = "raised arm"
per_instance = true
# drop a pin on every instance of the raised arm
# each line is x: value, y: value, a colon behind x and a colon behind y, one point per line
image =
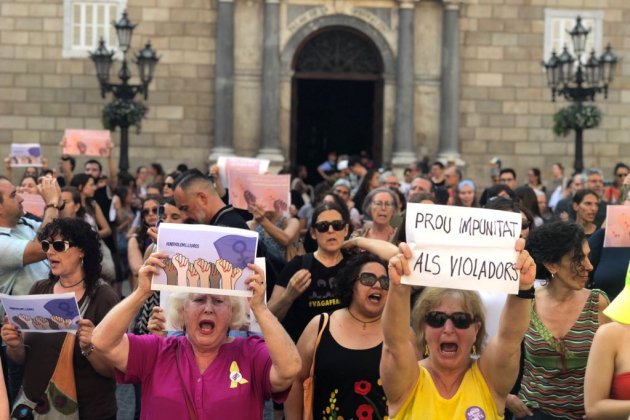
x: 284, y: 236
x: 49, y: 189
x: 109, y: 337
x: 285, y: 360
x: 378, y: 247
x: 600, y: 370
x: 399, y: 366
x: 499, y: 362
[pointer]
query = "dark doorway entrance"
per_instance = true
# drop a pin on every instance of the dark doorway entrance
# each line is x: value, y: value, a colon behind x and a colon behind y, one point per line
x: 336, y: 98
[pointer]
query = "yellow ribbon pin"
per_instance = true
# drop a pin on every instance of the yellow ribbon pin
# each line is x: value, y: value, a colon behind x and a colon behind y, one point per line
x: 235, y: 376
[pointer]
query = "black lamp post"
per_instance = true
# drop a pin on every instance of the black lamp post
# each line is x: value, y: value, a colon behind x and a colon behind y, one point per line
x: 578, y: 82
x: 146, y: 59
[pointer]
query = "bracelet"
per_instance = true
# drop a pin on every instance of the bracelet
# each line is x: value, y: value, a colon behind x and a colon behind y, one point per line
x: 88, y: 351
x: 526, y: 294
x: 51, y: 205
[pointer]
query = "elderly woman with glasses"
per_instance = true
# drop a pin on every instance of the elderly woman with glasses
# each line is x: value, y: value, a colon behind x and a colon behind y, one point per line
x: 62, y: 375
x: 380, y: 206
x: 450, y: 328
x: 205, y: 373
x: 347, y: 358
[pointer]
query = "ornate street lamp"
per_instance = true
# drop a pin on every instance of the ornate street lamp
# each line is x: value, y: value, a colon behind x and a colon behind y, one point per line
x: 579, y: 82
x: 123, y: 111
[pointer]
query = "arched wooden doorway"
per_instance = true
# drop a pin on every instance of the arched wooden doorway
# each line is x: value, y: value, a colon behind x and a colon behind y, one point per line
x: 337, y: 97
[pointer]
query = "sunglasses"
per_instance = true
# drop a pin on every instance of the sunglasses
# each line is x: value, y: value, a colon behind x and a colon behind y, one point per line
x: 152, y: 210
x: 59, y: 246
x: 525, y: 224
x: 369, y: 279
x: 461, y: 320
x: 168, y: 185
x: 322, y: 227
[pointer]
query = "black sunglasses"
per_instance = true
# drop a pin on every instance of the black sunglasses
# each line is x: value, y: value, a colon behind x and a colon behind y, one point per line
x: 525, y: 224
x: 169, y: 185
x: 146, y: 212
x: 59, y: 246
x: 461, y: 320
x: 369, y: 279
x: 323, y: 226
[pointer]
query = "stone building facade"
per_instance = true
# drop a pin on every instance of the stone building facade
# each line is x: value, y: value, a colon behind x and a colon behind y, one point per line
x: 290, y: 79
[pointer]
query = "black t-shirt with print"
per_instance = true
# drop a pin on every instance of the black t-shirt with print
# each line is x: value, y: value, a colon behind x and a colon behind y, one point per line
x: 319, y: 297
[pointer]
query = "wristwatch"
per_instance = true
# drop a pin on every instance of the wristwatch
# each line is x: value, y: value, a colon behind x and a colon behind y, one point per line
x: 86, y: 352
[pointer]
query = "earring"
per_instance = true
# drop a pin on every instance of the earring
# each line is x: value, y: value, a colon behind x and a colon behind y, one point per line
x: 474, y: 350
x: 426, y: 350
x: 81, y: 261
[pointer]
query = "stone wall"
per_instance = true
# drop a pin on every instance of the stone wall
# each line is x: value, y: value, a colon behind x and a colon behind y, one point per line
x: 506, y: 107
x: 42, y: 93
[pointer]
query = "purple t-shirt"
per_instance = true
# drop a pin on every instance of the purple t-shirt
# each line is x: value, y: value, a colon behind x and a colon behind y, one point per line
x: 235, y: 385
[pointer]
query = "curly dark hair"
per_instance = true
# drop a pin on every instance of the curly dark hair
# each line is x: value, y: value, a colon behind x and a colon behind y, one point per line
x: 549, y: 243
x: 80, y: 234
x: 347, y: 276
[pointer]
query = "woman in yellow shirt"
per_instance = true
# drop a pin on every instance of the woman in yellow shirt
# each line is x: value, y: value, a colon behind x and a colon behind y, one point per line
x: 450, y: 327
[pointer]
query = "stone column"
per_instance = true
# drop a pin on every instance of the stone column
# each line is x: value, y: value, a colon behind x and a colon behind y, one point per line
x: 403, y: 153
x: 449, y: 93
x: 270, y: 109
x: 224, y: 82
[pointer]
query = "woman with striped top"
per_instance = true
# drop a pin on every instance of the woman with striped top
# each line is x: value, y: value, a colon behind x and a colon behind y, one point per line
x: 564, y: 318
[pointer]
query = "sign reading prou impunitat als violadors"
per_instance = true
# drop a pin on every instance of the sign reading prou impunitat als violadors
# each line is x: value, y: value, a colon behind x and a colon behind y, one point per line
x: 462, y: 248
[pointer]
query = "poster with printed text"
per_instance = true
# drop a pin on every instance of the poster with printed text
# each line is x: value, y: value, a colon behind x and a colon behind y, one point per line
x: 240, y: 166
x: 43, y: 313
x: 86, y: 142
x: 271, y: 192
x: 205, y: 259
x: 617, y: 227
x: 462, y: 248
x: 27, y: 154
x: 251, y: 324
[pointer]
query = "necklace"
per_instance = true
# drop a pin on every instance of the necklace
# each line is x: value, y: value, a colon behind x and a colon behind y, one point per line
x: 361, y: 321
x: 70, y: 286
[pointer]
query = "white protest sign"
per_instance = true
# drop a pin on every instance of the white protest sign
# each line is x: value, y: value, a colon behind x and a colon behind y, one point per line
x: 462, y: 248
x: 205, y: 259
x: 23, y: 155
x: 43, y: 313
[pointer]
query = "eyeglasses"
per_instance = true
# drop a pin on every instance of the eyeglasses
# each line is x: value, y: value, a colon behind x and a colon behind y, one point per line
x: 383, y: 204
x: 59, y: 246
x: 322, y: 227
x: 369, y: 279
x: 461, y: 320
x: 342, y: 192
x: 152, y: 210
x: 168, y: 185
x: 525, y: 224
x: 505, y: 180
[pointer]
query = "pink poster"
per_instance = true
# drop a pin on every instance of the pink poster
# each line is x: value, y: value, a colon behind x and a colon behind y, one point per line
x: 237, y: 166
x: 86, y: 142
x: 617, y: 227
x: 33, y: 203
x: 271, y: 192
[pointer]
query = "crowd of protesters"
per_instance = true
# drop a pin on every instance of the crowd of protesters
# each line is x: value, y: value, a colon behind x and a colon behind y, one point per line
x: 336, y: 310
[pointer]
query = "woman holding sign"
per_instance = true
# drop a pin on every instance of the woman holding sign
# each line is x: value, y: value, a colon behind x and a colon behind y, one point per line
x: 61, y: 371
x: 204, y: 374
x: 564, y: 318
x: 448, y: 383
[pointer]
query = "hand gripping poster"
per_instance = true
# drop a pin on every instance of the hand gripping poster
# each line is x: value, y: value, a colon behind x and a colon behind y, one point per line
x: 205, y: 259
x: 43, y: 313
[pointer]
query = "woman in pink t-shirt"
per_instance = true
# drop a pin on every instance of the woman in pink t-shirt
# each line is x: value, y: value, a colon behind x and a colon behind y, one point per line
x: 204, y: 373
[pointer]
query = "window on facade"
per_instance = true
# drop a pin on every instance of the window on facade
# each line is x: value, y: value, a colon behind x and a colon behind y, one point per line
x: 559, y: 22
x: 86, y: 21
